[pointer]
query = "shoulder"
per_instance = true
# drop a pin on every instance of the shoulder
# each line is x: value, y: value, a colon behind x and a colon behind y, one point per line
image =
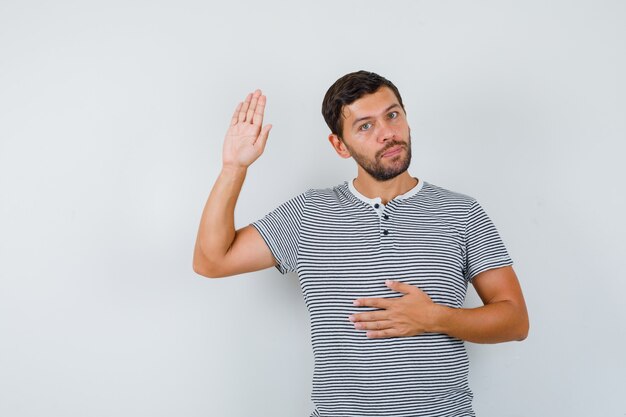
x: 337, y: 193
x: 442, y: 198
x: 328, y: 191
x: 334, y: 194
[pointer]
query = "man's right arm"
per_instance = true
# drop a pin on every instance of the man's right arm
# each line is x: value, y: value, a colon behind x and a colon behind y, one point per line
x: 221, y: 250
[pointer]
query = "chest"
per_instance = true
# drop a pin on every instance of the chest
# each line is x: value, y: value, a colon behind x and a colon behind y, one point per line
x: 343, y: 257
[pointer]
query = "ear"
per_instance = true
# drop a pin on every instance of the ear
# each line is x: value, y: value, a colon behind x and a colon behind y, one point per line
x: 339, y: 146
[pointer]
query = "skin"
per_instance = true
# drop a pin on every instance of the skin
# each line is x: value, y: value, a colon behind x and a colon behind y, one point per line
x: 373, y: 126
x: 220, y: 250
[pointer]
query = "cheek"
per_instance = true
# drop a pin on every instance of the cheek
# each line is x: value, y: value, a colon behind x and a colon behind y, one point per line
x: 362, y: 135
x: 404, y: 129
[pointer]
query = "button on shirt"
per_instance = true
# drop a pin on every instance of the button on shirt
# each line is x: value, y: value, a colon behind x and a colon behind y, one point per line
x: 343, y: 246
x: 377, y: 204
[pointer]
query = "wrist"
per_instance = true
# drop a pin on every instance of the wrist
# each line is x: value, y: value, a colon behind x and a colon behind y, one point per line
x: 234, y: 169
x: 440, y: 317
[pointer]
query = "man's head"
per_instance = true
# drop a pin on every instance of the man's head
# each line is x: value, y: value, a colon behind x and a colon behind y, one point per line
x: 346, y: 90
x: 368, y: 123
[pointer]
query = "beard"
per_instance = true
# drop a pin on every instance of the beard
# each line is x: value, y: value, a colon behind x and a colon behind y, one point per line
x: 384, y: 169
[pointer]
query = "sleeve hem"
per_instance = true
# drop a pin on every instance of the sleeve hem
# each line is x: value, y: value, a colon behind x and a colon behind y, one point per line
x: 491, y: 265
x: 268, y: 241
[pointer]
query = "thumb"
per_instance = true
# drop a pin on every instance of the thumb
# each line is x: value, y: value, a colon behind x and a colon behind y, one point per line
x: 400, y: 286
x: 262, y: 139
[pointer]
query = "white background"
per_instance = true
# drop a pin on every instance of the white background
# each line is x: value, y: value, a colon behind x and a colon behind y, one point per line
x: 112, y: 115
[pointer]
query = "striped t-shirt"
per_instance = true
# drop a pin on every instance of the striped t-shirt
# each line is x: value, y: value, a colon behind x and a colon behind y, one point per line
x: 343, y: 246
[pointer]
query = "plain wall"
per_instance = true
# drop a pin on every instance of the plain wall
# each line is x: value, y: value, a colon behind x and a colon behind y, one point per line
x: 112, y: 116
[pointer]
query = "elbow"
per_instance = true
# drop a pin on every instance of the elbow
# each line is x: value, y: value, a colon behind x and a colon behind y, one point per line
x: 521, y: 336
x: 522, y: 332
x: 208, y: 267
x: 205, y: 268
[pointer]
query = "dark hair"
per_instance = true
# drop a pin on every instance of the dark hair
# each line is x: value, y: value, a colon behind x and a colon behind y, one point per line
x: 348, y: 89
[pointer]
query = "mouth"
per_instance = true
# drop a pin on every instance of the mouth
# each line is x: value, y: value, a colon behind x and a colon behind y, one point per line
x: 392, y: 151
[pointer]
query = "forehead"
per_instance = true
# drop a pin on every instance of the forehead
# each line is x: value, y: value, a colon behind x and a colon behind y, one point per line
x: 370, y: 104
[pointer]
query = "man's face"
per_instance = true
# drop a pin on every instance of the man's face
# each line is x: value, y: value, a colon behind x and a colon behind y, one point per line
x: 377, y: 135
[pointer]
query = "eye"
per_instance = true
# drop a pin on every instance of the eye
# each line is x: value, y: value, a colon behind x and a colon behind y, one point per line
x: 365, y: 126
x: 393, y: 114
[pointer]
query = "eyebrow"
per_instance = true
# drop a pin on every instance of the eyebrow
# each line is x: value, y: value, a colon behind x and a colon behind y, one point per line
x: 360, y: 119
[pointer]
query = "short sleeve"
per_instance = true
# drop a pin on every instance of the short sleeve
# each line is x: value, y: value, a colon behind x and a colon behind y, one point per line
x: 280, y: 230
x: 484, y: 248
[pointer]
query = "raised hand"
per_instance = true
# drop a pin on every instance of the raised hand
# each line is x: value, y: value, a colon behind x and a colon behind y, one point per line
x: 246, y: 137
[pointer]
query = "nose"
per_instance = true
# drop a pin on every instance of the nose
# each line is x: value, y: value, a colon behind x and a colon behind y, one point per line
x: 385, y: 131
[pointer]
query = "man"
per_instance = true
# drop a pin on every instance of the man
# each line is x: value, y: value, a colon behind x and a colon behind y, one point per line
x: 384, y: 261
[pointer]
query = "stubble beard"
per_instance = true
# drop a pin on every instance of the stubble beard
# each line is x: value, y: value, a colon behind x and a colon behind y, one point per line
x: 384, y: 170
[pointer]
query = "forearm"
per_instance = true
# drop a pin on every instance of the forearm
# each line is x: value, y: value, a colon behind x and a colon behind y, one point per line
x: 217, y: 225
x: 496, y: 322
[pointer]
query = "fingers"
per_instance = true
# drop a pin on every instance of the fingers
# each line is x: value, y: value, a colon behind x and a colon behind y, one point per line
x: 375, y: 320
x: 369, y: 316
x: 380, y: 334
x: 372, y: 302
x: 386, y: 302
x: 244, y: 108
x: 400, y: 286
x: 235, y: 118
x: 378, y: 328
x: 262, y: 139
x: 374, y: 325
x: 259, y: 111
x: 251, y: 109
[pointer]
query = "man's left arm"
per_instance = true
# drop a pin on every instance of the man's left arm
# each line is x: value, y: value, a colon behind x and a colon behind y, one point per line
x: 502, y: 318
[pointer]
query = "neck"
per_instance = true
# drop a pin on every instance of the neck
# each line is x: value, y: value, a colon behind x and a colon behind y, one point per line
x: 386, y: 190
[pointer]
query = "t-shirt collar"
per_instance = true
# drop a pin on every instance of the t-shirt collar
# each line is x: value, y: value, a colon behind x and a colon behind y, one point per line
x: 377, y: 200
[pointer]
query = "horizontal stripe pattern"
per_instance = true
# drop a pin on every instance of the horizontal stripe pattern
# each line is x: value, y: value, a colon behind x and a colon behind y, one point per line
x: 342, y: 249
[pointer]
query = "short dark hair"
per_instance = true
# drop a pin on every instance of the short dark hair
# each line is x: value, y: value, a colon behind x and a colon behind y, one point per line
x: 348, y: 89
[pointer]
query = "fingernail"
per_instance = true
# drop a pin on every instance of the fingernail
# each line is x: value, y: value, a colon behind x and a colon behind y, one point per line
x: 351, y: 318
x: 355, y: 302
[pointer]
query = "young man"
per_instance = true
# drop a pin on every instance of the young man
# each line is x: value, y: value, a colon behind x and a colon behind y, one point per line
x: 384, y: 261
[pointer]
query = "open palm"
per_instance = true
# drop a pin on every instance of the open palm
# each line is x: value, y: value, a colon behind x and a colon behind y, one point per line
x: 246, y: 137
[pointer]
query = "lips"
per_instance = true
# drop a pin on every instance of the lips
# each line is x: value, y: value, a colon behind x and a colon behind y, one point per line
x: 392, y: 151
